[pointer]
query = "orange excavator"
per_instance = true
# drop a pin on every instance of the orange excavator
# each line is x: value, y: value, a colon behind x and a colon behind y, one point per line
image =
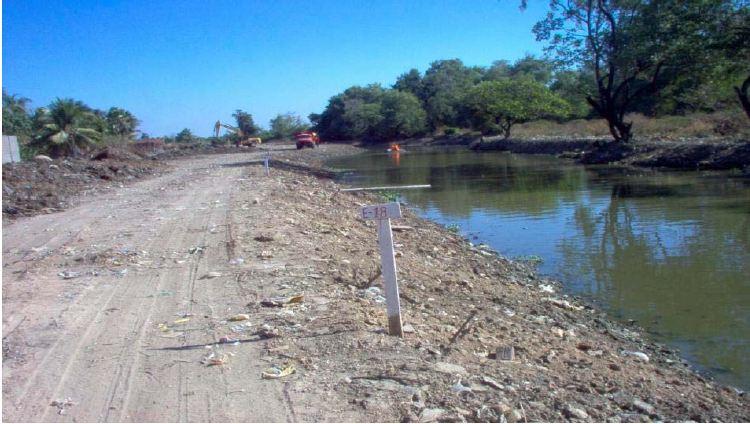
x: 243, y: 140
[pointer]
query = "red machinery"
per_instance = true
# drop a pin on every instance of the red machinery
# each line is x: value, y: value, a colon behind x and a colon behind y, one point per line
x: 307, y: 139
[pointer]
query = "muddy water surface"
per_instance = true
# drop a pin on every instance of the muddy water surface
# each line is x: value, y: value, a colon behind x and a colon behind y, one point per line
x: 668, y: 250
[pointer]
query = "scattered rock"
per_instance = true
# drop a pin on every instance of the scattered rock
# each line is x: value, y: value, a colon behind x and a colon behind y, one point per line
x: 575, y: 412
x: 69, y: 275
x: 491, y: 382
x: 643, y: 407
x: 239, y: 317
x: 502, y: 408
x: 638, y: 355
x: 431, y: 415
x: 584, y: 346
x: 460, y: 388
x: 449, y: 368
x: 563, y: 304
x: 514, y: 416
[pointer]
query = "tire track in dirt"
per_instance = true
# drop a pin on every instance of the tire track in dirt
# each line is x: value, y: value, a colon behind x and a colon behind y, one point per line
x: 127, y: 352
x: 183, y: 387
x: 108, y: 355
x: 85, y: 321
x: 80, y: 333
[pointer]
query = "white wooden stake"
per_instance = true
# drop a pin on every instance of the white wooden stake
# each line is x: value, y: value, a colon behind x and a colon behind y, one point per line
x: 265, y: 163
x: 383, y: 214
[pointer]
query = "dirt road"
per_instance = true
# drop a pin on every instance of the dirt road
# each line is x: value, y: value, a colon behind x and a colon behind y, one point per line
x: 84, y: 292
x: 114, y: 310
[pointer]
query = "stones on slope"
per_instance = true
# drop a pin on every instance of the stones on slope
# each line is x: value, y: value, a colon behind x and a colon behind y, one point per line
x: 448, y: 368
x: 643, y: 407
x: 572, y: 411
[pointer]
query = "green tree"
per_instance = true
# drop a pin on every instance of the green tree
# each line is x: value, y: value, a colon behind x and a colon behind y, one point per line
x: 314, y: 119
x: 410, y: 82
x: 499, y: 69
x: 64, y: 128
x: 371, y: 113
x: 245, y: 122
x: 16, y: 119
x: 120, y: 122
x: 444, y: 85
x: 573, y: 86
x: 284, y: 125
x: 495, y: 106
x: 184, y: 136
x: 732, y: 49
x: 403, y: 116
x: 353, y: 114
x: 634, y: 47
x: 540, y: 70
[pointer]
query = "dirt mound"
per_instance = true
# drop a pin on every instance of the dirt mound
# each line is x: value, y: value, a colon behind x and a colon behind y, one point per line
x: 118, y: 153
x: 40, y: 186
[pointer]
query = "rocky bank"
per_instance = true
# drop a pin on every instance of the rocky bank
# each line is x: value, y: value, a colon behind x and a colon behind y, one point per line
x: 465, y: 310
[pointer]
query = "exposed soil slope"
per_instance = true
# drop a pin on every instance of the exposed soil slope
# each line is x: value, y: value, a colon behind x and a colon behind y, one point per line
x: 685, y: 154
x: 40, y: 186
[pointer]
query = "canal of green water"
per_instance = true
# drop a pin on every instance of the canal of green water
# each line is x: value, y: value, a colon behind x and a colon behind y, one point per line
x: 670, y: 250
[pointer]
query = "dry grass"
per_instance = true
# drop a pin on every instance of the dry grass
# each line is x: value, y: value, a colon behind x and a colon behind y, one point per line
x: 697, y: 125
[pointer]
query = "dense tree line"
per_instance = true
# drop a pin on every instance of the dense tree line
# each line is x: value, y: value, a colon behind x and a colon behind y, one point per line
x: 65, y: 126
x: 451, y: 95
x: 605, y: 58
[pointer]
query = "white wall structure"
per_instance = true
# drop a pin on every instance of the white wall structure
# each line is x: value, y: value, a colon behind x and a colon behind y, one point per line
x: 11, y: 153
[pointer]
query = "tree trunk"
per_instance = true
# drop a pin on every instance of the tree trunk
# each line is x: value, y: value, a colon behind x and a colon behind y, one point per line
x: 506, y: 129
x: 620, y: 130
x: 742, y: 93
x: 72, y: 151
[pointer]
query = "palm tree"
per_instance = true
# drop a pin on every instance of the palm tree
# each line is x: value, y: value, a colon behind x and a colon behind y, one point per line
x: 16, y: 120
x: 121, y: 122
x: 65, y: 127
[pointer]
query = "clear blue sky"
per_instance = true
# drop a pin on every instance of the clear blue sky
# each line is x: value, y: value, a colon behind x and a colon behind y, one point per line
x: 187, y: 63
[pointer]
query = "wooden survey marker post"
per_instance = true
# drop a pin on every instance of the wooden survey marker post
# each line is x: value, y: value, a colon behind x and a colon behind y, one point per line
x: 383, y: 214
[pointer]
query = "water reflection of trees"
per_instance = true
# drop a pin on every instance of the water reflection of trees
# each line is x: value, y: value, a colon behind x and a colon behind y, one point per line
x: 502, y: 185
x: 681, y: 272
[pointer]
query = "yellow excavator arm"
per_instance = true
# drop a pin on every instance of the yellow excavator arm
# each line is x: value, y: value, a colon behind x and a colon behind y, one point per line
x: 219, y: 124
x: 239, y: 132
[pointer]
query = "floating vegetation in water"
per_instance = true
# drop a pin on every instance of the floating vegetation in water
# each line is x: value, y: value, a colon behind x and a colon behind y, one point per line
x: 453, y: 228
x: 390, y: 195
x: 529, y: 259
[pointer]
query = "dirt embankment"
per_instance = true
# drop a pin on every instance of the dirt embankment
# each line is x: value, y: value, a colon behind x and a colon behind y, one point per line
x: 216, y: 240
x: 46, y: 186
x: 686, y: 154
